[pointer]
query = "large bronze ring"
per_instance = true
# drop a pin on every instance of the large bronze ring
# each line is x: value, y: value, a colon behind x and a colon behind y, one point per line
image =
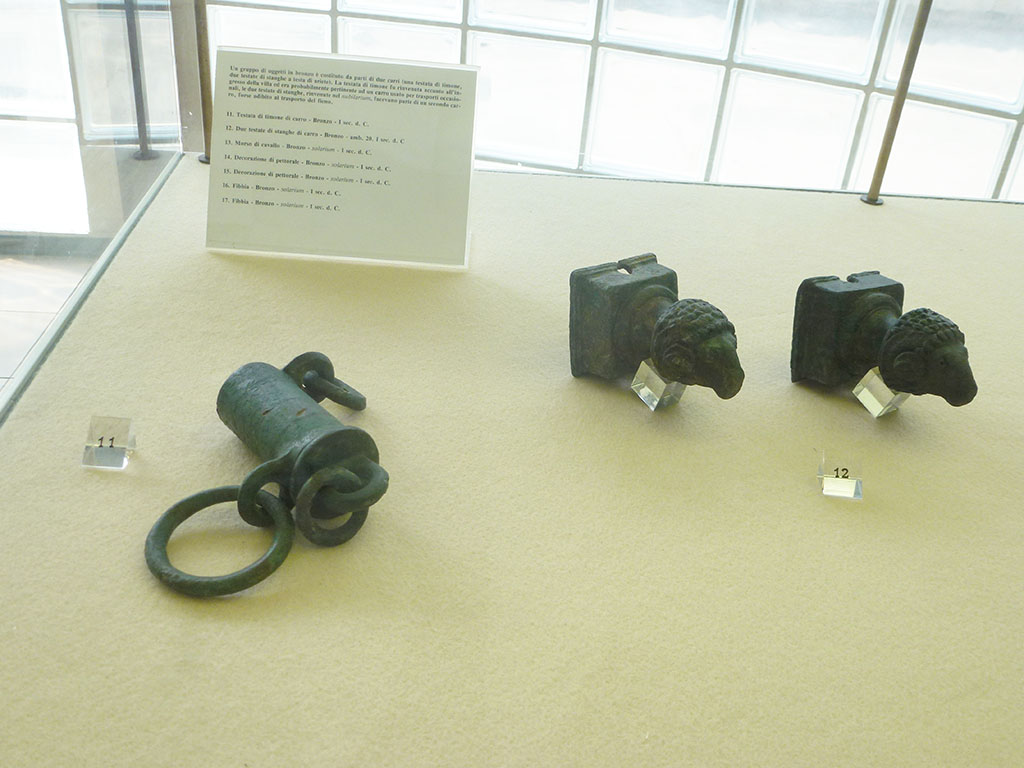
x: 212, y: 586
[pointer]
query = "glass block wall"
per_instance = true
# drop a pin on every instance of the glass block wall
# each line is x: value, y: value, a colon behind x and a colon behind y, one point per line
x: 65, y: 84
x: 781, y: 93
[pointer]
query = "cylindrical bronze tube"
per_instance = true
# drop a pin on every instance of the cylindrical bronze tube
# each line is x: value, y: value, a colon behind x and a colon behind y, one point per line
x: 278, y: 420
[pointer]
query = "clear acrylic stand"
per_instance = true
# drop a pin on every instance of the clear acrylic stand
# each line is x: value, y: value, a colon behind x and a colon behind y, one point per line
x: 840, y: 477
x: 109, y: 444
x: 655, y: 391
x: 876, y: 396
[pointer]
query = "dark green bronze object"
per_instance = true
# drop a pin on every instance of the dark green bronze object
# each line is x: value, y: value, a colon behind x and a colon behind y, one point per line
x: 324, y: 470
x: 624, y: 312
x: 323, y: 467
x: 214, y: 586
x: 843, y: 329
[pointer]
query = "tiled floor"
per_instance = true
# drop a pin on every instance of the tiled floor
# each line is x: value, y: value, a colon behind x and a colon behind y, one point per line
x: 38, y: 284
x: 39, y: 270
x: 36, y: 278
x: 19, y: 331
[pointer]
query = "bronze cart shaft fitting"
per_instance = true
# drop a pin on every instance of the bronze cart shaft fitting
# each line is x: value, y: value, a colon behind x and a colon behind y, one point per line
x: 324, y: 469
x: 624, y: 312
x: 844, y: 328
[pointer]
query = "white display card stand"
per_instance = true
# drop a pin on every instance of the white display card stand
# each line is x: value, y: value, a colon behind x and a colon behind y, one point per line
x: 334, y: 156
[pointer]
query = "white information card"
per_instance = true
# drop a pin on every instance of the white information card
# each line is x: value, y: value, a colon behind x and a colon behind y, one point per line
x: 340, y: 156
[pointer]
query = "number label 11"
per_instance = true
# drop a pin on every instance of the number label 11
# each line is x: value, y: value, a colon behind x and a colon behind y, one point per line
x: 109, y: 442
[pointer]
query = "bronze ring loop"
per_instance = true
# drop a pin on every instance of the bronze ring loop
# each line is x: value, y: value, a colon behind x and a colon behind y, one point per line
x: 329, y: 477
x: 211, y: 586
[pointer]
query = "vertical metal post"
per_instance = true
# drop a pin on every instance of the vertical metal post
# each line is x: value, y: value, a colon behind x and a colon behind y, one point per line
x: 913, y: 47
x: 131, y: 18
x: 205, y: 88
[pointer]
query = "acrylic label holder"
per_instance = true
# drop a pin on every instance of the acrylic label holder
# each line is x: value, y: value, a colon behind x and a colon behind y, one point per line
x: 840, y: 477
x: 109, y: 443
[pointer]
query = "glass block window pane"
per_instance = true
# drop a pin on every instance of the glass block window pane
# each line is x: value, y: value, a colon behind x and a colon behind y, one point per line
x: 43, y: 187
x: 1013, y: 189
x: 938, y: 152
x: 435, y: 10
x: 971, y: 52
x: 785, y: 133
x: 34, y: 76
x: 365, y: 37
x: 105, y: 82
x: 277, y: 30
x: 573, y: 18
x: 531, y: 97
x: 494, y: 165
x: 652, y: 116
x: 318, y: 5
x: 160, y: 77
x: 689, y: 26
x: 812, y: 36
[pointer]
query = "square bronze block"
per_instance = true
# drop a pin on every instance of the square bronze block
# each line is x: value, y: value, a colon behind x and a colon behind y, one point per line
x: 596, y: 296
x: 823, y: 322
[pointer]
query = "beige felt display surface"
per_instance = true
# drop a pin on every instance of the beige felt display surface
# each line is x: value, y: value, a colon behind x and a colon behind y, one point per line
x: 557, y: 576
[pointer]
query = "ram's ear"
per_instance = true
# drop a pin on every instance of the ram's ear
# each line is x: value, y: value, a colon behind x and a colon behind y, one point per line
x: 910, y: 366
x: 682, y: 354
x: 678, y: 360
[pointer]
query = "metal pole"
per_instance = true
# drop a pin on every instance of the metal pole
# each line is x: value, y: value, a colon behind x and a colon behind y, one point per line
x: 205, y: 91
x: 913, y: 47
x: 131, y: 18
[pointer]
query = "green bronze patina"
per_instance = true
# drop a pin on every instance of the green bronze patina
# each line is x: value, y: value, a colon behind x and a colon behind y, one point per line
x: 276, y: 414
x: 214, y: 586
x: 624, y: 312
x: 843, y: 329
x: 324, y: 469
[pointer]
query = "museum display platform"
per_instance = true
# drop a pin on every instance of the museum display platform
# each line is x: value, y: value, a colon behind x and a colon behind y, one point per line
x: 556, y: 575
